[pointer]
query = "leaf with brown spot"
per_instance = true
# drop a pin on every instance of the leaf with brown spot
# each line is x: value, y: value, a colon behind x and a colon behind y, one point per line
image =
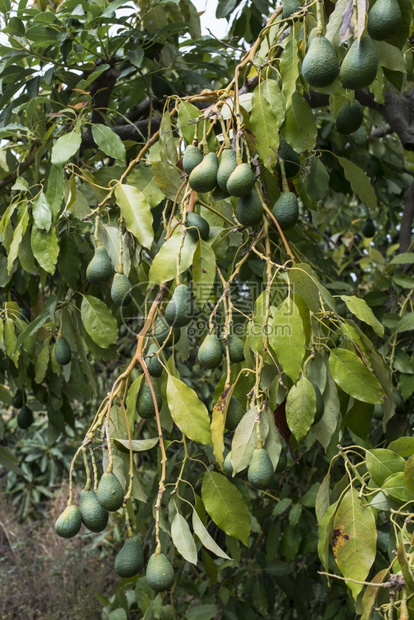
x: 354, y: 539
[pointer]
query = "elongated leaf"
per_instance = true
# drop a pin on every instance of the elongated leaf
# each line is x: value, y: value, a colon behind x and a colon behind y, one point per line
x: 409, y: 474
x: 131, y: 400
x: 381, y: 463
x: 187, y: 113
x: 301, y: 408
x: 405, y: 258
x: 325, y: 534
x: 353, y: 377
x: 265, y: 125
x: 10, y: 462
x: 136, y: 212
x: 287, y: 338
x: 244, y: 441
x: 108, y: 141
x: 204, y: 272
x: 188, y: 411
x: 370, y: 595
x: 45, y: 248
x: 360, y: 182
x: 35, y: 325
x: 137, y: 445
x: 99, y: 321
x: 207, y: 541
x: 17, y: 239
x: 164, y: 265
x: 42, y: 213
x: 354, y: 540
x: 226, y: 506
x: 395, y: 487
x: 404, y: 446
x: 406, y: 324
x: 363, y: 312
x: 289, y: 67
x: 218, y: 419
x: 65, y: 147
x: 183, y: 539
x: 299, y: 128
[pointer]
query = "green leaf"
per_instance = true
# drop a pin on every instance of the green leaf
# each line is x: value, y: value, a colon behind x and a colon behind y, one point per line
x: 131, y: 400
x: 363, y: 312
x: 17, y: 239
x: 317, y: 181
x: 405, y: 324
x: 370, y: 595
x: 289, y: 67
x: 244, y: 441
x: 299, y: 128
x: 45, y: 248
x: 355, y: 538
x: 409, y: 474
x: 395, y: 487
x: 183, y: 539
x: 226, y: 506
x: 143, y: 178
x: 405, y: 258
x: 137, y: 445
x: 108, y: 141
x: 188, y: 411
x: 42, y: 213
x: 99, y: 321
x: 287, y: 338
x: 168, y: 179
x: 10, y: 462
x: 382, y: 463
x: 207, y: 541
x: 54, y: 190
x: 204, y: 272
x: 164, y: 265
x: 65, y: 147
x: 42, y: 362
x: 309, y: 287
x: 69, y: 262
x: 353, y: 377
x: 325, y: 534
x: 187, y: 113
x: 390, y: 57
x: 202, y: 612
x: 136, y: 213
x: 360, y: 182
x: 301, y: 408
x: 265, y: 126
x: 404, y: 446
x: 273, y: 443
x: 35, y: 325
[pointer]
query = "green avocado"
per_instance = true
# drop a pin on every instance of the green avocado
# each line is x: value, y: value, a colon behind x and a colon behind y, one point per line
x: 154, y: 365
x: 384, y: 19
x: 18, y: 400
x: 25, y: 417
x: 227, y: 465
x: 179, y: 310
x: 291, y: 159
x: 197, y: 226
x: 320, y: 405
x: 235, y: 412
x: 100, y: 268
x: 121, y: 290
x: 320, y: 66
x: 161, y: 332
x: 249, y: 210
x: 290, y: 7
x: 286, y: 210
x: 93, y: 515
x: 241, y: 181
x: 350, y: 117
x: 369, y: 229
x: 145, y: 403
x: 192, y: 158
x: 110, y: 492
x: 69, y: 522
x: 236, y: 346
x: 204, y: 176
x: 228, y: 163
x: 63, y: 354
x: 260, y: 472
x: 210, y: 354
x: 130, y: 559
x: 360, y: 65
x: 160, y: 573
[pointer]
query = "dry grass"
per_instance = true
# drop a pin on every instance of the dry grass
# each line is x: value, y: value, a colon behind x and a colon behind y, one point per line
x: 44, y: 576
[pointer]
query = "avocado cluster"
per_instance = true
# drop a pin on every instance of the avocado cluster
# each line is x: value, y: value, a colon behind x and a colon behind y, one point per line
x: 100, y: 270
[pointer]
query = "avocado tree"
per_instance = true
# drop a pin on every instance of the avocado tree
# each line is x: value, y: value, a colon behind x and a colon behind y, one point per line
x: 207, y: 289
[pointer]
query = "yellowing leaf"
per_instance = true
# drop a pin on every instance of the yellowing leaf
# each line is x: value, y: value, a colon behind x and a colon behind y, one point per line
x: 188, y: 411
x: 136, y: 213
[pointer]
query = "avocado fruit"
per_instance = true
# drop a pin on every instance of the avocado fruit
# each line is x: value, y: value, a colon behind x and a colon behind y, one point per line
x: 227, y: 465
x: 204, y: 176
x: 291, y: 160
x: 249, y: 210
x: 69, y: 522
x: 154, y: 365
x: 260, y: 472
x: 320, y: 66
x: 290, y: 7
x: 235, y: 412
x: 145, y: 403
x: 320, y: 405
x: 93, y: 515
x: 18, y: 399
x: 129, y: 560
x: 369, y: 229
x: 160, y: 573
x: 178, y: 312
x: 241, y: 181
x: 161, y: 332
x: 360, y: 65
x: 63, y: 354
x: 210, y: 353
x: 286, y: 210
x: 110, y: 492
x: 236, y: 346
x: 121, y: 290
x: 349, y: 117
x: 192, y: 157
x: 25, y: 417
x: 228, y: 163
x: 100, y: 268
x: 197, y: 226
x: 384, y: 19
